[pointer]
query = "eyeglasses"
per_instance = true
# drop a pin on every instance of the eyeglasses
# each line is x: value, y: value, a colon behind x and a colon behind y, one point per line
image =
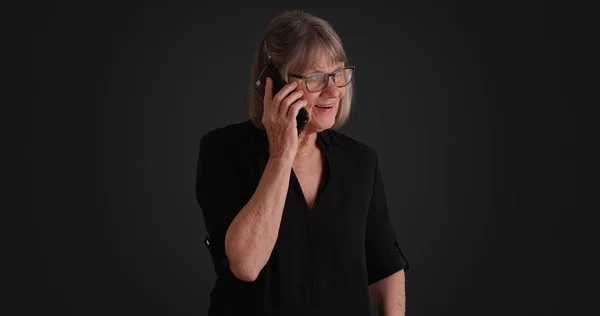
x: 318, y: 81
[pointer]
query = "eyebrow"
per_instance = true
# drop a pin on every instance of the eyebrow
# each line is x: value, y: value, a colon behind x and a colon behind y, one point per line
x: 312, y: 70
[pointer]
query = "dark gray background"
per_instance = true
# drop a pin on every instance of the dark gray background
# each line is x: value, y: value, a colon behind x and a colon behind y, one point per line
x: 462, y: 102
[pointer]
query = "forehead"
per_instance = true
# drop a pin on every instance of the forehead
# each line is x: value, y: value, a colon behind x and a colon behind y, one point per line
x: 321, y: 64
x: 317, y: 58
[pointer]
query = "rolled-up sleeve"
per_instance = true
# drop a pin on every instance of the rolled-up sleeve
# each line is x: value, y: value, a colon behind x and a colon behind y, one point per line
x: 220, y: 187
x: 383, y: 254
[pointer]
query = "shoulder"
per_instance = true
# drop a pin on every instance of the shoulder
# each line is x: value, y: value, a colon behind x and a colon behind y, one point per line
x: 352, y: 146
x: 227, y: 136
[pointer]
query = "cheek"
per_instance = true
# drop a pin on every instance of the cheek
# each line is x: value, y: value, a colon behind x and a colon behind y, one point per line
x: 311, y: 98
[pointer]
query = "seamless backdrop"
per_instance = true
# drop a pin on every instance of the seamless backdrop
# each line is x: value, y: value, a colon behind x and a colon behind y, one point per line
x: 462, y: 101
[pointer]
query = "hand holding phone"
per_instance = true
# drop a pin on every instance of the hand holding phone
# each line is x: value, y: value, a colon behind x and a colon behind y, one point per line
x: 279, y: 113
x: 278, y: 83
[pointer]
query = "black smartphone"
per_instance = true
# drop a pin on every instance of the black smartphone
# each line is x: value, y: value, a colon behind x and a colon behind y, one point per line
x: 278, y: 83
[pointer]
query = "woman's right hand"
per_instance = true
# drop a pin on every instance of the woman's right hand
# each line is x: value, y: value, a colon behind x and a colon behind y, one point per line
x: 279, y: 119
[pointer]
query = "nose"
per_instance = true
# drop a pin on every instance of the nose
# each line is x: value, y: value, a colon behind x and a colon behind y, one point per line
x: 331, y: 87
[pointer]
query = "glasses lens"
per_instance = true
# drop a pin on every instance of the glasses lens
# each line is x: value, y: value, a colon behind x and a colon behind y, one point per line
x: 343, y: 77
x: 315, y: 82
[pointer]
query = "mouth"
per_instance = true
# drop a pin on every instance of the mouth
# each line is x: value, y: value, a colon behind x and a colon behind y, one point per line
x: 325, y: 106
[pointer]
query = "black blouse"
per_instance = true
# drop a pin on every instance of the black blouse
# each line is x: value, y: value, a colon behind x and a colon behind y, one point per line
x: 324, y: 258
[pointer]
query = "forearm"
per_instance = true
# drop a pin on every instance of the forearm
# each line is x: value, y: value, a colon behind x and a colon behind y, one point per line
x: 389, y: 295
x: 252, y: 234
x: 393, y: 305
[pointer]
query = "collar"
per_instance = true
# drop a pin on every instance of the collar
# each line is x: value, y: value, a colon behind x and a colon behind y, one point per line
x: 323, y: 139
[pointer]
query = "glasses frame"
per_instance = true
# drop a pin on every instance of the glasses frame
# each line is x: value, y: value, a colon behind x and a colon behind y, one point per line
x: 304, y: 78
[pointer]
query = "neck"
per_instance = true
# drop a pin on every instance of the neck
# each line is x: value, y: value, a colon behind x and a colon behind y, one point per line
x: 307, y: 144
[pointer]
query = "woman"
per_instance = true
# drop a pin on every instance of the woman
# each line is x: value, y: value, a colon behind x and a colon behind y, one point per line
x: 298, y: 223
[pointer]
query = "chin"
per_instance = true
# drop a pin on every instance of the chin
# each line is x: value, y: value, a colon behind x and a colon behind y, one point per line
x: 321, y: 121
x: 325, y: 122
x: 320, y: 125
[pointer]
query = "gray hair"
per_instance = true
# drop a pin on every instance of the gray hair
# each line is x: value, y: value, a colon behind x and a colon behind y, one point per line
x: 294, y: 39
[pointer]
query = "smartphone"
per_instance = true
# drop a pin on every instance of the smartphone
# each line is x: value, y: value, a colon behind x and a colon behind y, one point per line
x: 278, y: 83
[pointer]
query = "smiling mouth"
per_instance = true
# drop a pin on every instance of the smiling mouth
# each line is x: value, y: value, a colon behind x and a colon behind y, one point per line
x: 324, y: 106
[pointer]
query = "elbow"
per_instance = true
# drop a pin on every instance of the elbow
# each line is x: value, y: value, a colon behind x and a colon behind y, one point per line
x: 244, y: 261
x: 243, y: 271
x: 241, y: 265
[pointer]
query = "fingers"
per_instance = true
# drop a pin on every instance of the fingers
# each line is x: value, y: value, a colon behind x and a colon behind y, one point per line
x: 289, y: 100
x: 273, y: 103
x: 295, y: 108
x: 284, y: 104
x: 285, y: 91
x: 268, y: 89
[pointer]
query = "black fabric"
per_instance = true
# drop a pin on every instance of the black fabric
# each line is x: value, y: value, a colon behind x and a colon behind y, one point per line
x: 325, y: 257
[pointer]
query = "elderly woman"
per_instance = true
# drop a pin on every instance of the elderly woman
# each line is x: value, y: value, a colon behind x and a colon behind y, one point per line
x: 297, y: 223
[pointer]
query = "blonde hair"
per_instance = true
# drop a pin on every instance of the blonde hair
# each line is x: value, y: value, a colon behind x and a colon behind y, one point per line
x: 293, y: 39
